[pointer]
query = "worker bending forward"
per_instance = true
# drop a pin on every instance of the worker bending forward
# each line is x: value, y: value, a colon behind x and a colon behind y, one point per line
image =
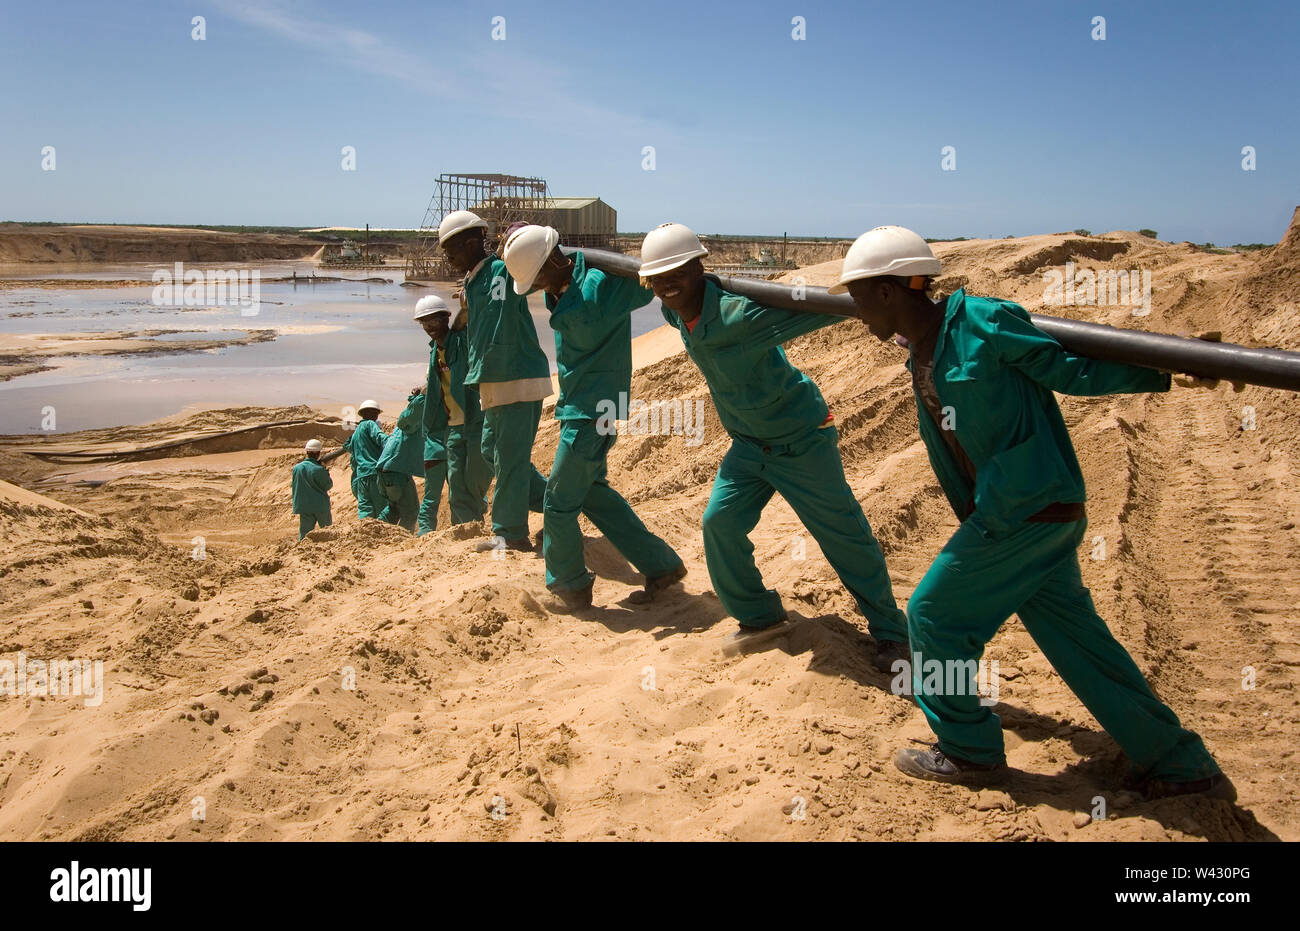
x: 783, y: 440
x: 983, y: 375
x: 508, y: 366
x: 590, y: 313
x: 402, y: 460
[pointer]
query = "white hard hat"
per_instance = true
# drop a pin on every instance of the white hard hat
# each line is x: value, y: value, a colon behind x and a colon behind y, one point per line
x: 669, y: 246
x: 526, y: 252
x: 457, y: 222
x: 886, y: 250
x: 314, y: 446
x: 429, y: 305
x: 369, y: 406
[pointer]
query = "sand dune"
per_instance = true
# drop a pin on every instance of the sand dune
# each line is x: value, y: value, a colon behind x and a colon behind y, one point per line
x: 365, y: 684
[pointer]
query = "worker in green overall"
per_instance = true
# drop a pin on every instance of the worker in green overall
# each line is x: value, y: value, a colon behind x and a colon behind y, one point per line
x: 468, y: 473
x: 590, y: 314
x: 365, y: 446
x: 508, y: 366
x: 783, y: 440
x: 983, y: 376
x: 453, y: 421
x: 433, y: 315
x: 401, y: 460
x: 310, y: 484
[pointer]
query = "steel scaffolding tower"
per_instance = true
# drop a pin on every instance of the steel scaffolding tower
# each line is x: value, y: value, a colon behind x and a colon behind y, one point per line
x: 501, y: 200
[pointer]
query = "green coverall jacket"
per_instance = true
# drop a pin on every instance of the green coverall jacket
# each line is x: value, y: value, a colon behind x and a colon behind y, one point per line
x: 435, y: 414
x: 759, y: 394
x: 997, y: 372
x: 366, y: 445
x: 311, y: 485
x: 455, y: 352
x: 404, y: 450
x: 593, y: 339
x: 502, y: 337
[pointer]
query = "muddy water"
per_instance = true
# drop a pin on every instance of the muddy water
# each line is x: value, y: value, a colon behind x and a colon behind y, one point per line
x: 337, y: 343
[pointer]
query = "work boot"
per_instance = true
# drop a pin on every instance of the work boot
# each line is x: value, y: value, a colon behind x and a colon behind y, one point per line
x: 933, y: 764
x: 887, y: 653
x: 575, y: 599
x: 655, y: 584
x: 523, y: 545
x: 1216, y: 786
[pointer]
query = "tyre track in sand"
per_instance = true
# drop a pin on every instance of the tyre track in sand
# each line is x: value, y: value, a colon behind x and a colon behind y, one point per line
x: 1214, y: 561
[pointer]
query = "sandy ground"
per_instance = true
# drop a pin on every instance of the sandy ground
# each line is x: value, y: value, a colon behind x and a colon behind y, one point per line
x: 365, y: 684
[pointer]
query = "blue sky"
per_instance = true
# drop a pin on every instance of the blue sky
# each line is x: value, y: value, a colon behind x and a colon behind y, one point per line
x: 754, y: 132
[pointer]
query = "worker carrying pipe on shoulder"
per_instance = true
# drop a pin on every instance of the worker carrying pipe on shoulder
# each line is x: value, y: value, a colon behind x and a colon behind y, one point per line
x: 590, y: 314
x: 983, y: 376
x: 451, y: 417
x: 783, y: 440
x: 507, y: 365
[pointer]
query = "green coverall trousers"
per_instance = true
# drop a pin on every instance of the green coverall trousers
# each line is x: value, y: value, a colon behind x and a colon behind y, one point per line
x: 468, y: 473
x: 578, y: 483
x: 435, y: 476
x: 371, y: 500
x: 810, y: 476
x: 309, y: 522
x: 508, y: 434
x: 403, y: 503
x: 974, y: 585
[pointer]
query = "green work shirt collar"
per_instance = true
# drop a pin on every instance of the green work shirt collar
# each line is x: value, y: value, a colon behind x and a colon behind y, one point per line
x: 955, y: 300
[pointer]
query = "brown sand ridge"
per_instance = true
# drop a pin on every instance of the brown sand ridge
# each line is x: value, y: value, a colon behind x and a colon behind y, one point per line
x: 43, y: 244
x: 23, y: 354
x: 479, y: 712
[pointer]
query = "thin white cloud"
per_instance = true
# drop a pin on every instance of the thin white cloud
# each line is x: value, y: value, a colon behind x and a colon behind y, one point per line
x: 355, y: 48
x: 524, y: 89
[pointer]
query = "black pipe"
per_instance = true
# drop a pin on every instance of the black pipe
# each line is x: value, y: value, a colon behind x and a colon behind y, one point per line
x: 1270, y: 368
